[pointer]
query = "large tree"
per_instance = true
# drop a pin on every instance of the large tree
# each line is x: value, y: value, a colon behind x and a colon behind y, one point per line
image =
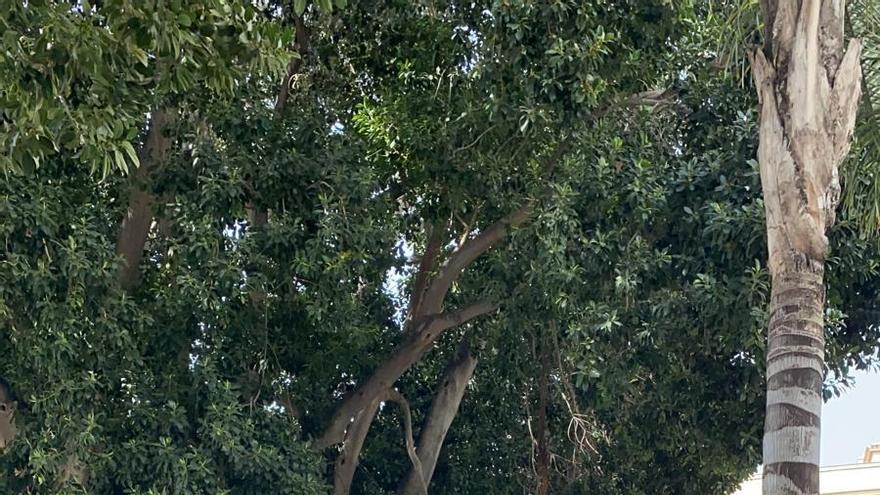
x: 510, y: 226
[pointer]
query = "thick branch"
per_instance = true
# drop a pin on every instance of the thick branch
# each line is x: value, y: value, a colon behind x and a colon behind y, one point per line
x: 139, y: 215
x: 349, y: 456
x: 444, y: 408
x: 404, y: 356
x: 426, y: 266
x: 472, y: 249
x: 467, y: 253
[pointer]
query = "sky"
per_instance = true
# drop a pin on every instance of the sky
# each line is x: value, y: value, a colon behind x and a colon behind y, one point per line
x: 852, y: 421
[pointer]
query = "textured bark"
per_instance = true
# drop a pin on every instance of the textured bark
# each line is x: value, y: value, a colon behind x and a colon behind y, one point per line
x: 809, y: 89
x: 139, y: 216
x: 444, y: 408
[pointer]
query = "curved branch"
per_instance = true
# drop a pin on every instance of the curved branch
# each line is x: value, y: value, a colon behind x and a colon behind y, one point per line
x: 462, y: 257
x: 444, y: 408
x: 395, y: 396
x: 404, y: 356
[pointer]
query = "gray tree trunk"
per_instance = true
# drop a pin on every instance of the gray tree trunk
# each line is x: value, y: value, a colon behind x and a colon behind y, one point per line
x: 808, y: 88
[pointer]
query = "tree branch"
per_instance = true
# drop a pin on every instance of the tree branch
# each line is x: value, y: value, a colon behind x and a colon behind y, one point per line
x: 426, y: 266
x: 444, y: 408
x: 300, y: 47
x: 135, y: 226
x: 467, y: 253
x: 349, y: 456
x: 395, y: 396
x: 258, y: 217
x: 404, y: 356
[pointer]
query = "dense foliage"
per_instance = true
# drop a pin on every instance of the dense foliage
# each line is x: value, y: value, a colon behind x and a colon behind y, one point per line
x: 626, y: 352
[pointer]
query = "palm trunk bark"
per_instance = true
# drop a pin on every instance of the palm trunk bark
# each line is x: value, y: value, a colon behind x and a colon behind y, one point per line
x: 808, y: 89
x: 795, y: 371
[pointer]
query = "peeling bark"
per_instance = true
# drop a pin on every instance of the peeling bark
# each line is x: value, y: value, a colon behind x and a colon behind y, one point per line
x: 444, y: 408
x: 808, y: 88
x: 139, y: 216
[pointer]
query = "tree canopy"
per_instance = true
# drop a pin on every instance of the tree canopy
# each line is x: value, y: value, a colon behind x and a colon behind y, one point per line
x: 371, y: 246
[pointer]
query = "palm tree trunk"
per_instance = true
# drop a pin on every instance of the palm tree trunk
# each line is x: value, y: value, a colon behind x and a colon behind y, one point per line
x: 795, y: 370
x: 808, y: 89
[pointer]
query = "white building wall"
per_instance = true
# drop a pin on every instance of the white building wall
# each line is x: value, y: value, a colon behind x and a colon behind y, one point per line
x: 852, y: 479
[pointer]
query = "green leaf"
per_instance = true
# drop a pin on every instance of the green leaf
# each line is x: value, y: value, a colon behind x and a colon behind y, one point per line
x: 140, y: 55
x: 299, y: 6
x: 120, y: 160
x: 132, y: 155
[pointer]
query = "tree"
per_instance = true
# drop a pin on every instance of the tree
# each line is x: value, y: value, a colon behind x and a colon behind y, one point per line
x: 809, y: 91
x: 348, y: 218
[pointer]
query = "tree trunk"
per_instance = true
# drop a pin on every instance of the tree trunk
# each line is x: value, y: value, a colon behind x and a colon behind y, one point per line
x: 808, y: 90
x: 542, y: 437
x: 348, y: 458
x: 136, y: 225
x: 444, y: 408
